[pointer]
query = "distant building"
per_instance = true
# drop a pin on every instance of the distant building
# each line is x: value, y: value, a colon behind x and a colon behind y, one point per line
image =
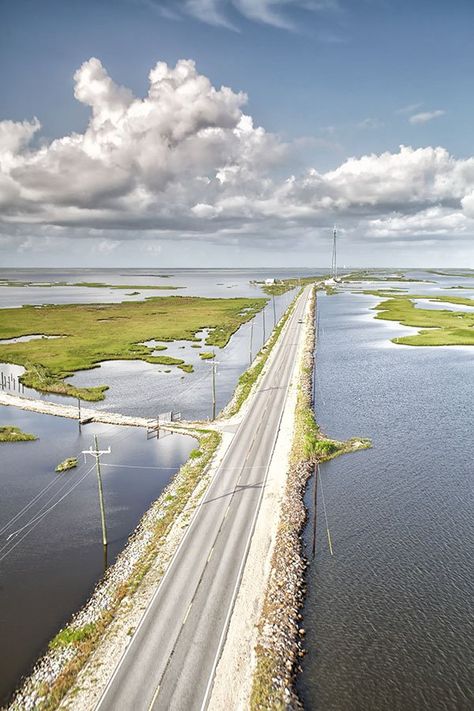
x: 269, y: 282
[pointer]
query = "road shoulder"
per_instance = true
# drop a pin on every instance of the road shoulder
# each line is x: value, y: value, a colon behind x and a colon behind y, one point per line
x: 238, y: 657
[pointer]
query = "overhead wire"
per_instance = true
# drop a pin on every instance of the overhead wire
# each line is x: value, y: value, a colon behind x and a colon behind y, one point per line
x: 28, y: 505
x: 36, y: 521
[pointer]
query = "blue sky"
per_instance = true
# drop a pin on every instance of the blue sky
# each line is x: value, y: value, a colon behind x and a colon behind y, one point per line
x: 328, y: 80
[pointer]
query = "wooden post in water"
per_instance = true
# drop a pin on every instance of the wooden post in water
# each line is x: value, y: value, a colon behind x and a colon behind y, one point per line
x: 315, y: 507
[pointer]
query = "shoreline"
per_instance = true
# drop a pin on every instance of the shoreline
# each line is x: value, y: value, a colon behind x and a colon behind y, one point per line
x: 53, y: 680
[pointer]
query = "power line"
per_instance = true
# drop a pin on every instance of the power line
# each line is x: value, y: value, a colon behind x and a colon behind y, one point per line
x: 28, y: 505
x: 38, y: 521
x: 64, y: 484
x: 139, y: 466
x: 40, y: 515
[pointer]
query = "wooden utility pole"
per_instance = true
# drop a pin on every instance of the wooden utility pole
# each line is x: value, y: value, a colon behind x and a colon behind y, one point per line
x: 97, y: 454
x: 263, y: 318
x: 315, y: 508
x: 274, y: 311
x: 214, y: 365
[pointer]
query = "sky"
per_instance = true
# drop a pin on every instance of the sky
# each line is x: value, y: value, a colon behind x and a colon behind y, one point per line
x: 229, y: 133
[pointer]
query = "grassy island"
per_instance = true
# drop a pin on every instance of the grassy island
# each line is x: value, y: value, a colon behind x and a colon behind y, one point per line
x: 462, y: 275
x: 440, y: 327
x: 93, y: 333
x: 14, y: 434
x: 88, y: 285
x: 67, y: 464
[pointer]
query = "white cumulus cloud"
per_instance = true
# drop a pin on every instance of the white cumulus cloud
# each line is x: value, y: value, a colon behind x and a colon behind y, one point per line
x: 186, y: 160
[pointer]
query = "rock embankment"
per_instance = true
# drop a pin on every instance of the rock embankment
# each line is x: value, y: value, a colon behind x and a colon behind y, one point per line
x: 143, y: 560
x: 280, y: 643
x: 281, y: 636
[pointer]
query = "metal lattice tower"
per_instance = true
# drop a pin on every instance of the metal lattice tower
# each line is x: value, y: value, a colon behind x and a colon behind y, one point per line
x: 334, y: 260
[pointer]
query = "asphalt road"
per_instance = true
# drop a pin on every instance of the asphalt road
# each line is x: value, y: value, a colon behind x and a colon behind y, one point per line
x: 171, y: 659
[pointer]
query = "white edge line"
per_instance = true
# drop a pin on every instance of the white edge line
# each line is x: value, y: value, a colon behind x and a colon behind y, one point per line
x: 244, y: 559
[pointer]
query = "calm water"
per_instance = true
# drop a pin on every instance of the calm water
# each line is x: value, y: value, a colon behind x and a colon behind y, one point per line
x: 223, y: 283
x: 389, y: 617
x: 48, y: 574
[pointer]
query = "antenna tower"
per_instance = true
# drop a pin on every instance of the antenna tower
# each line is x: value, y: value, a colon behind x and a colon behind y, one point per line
x: 334, y: 261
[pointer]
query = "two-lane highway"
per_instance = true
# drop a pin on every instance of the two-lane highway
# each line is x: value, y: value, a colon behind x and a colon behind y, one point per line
x: 171, y: 659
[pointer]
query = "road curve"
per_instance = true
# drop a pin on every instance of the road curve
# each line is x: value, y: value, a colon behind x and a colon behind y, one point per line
x: 171, y: 659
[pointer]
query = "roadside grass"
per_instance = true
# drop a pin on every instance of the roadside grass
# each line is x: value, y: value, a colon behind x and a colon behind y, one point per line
x: 70, y: 635
x: 310, y: 445
x: 83, y: 640
x: 207, y: 355
x: 10, y: 433
x: 250, y: 376
x: 93, y: 333
x: 440, y: 327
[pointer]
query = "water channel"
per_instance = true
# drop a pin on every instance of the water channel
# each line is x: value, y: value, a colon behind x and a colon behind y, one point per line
x: 389, y: 617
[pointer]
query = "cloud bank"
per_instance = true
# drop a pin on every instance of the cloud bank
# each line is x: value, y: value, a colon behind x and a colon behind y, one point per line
x: 187, y: 161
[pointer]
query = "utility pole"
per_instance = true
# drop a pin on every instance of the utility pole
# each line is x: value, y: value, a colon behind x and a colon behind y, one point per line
x: 251, y: 342
x: 97, y: 454
x: 334, y: 260
x: 214, y: 365
x: 274, y: 312
x: 263, y: 317
x: 315, y: 508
